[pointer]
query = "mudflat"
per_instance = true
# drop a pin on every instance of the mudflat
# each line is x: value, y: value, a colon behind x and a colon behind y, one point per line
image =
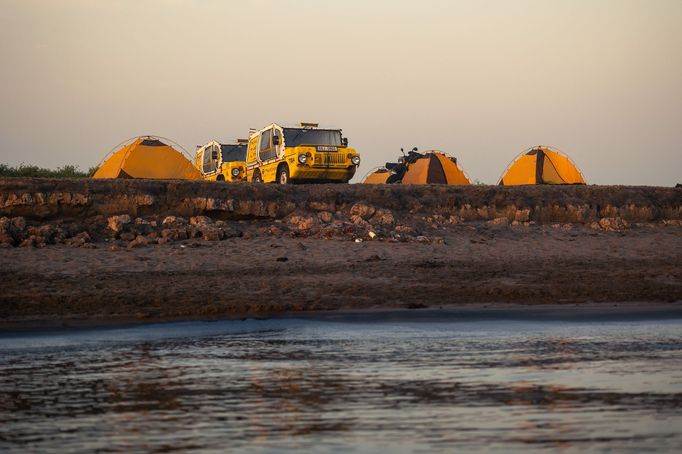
x: 263, y: 275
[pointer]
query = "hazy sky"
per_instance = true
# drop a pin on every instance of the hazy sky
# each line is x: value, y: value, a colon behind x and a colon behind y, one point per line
x: 481, y: 79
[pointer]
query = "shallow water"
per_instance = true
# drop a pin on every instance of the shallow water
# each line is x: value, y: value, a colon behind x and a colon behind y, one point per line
x: 302, y: 385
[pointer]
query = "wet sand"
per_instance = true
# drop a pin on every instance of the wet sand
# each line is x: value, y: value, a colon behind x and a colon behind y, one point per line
x: 477, y: 266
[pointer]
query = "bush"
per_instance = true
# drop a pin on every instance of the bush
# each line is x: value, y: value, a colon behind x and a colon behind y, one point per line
x: 24, y: 170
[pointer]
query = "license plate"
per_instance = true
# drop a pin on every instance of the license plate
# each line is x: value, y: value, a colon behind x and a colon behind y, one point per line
x: 327, y: 149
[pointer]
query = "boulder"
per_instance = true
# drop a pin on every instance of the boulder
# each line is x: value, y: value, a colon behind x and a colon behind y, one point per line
x: 325, y: 217
x: 174, y: 221
x: 211, y: 233
x: 127, y: 236
x: 139, y: 241
x: 79, y: 240
x: 301, y: 222
x: 200, y: 220
x: 612, y: 224
x: 383, y: 217
x: 362, y: 209
x: 118, y: 223
x: 502, y: 221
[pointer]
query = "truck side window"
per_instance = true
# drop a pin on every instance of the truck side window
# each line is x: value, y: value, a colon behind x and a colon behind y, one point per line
x: 266, y: 150
x: 265, y: 140
x: 206, y: 159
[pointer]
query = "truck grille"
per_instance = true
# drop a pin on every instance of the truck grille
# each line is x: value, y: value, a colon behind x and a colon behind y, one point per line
x: 326, y: 159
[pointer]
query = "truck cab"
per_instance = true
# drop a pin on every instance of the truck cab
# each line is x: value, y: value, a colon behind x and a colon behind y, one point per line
x: 305, y: 154
x: 222, y: 162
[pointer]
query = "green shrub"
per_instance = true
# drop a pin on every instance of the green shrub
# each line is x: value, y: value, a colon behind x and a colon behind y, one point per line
x: 24, y: 170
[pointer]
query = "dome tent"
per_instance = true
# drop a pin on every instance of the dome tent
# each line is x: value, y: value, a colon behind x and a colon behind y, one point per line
x: 377, y: 176
x: 147, y: 157
x: 541, y: 165
x: 432, y: 167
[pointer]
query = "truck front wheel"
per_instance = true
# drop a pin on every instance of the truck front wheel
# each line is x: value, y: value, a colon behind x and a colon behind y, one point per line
x: 283, y: 174
x: 256, y: 177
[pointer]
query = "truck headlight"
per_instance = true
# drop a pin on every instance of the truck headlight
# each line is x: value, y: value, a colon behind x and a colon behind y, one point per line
x: 235, y: 172
x: 302, y: 158
x: 355, y: 160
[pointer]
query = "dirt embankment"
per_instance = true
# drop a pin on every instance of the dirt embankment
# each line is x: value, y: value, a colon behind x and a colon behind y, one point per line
x: 46, y: 199
x: 119, y: 250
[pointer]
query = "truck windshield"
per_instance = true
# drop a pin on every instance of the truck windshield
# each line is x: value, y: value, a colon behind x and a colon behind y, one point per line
x: 233, y: 152
x: 293, y: 137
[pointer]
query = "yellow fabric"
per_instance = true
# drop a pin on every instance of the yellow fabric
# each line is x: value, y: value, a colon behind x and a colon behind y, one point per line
x: 153, y: 162
x: 556, y: 169
x: 417, y: 172
x: 521, y: 172
x: 563, y: 166
x: 453, y: 175
x: 549, y: 173
x: 377, y: 177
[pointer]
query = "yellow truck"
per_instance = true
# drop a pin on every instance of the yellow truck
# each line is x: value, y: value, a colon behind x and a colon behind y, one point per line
x: 222, y: 162
x: 305, y: 154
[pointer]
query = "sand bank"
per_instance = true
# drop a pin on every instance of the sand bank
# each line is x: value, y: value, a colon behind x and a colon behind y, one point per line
x: 172, y: 251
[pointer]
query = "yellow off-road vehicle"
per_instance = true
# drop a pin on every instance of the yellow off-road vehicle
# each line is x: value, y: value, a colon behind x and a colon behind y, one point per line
x: 306, y: 154
x: 222, y: 162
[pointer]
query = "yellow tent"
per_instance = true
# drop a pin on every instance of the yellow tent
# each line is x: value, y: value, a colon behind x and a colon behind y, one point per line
x: 379, y: 176
x: 434, y: 167
x: 541, y: 165
x: 147, y: 157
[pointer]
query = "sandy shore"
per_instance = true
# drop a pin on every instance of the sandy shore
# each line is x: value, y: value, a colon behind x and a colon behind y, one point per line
x: 474, y: 264
x: 76, y: 252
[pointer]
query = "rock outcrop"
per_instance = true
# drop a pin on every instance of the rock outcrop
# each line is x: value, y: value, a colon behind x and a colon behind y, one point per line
x: 39, y: 212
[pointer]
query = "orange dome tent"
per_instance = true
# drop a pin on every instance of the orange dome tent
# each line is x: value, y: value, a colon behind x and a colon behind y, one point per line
x: 434, y: 167
x: 378, y: 176
x: 542, y: 165
x: 150, y: 158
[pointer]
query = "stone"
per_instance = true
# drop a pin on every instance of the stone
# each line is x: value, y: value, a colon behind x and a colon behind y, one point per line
x: 139, y: 241
x: 174, y: 221
x: 79, y: 240
x: 127, y: 236
x: 325, y: 217
x: 403, y: 229
x: 322, y: 206
x: 358, y: 220
x: 502, y: 221
x: 174, y: 234
x: 383, y: 217
x: 274, y: 230
x: 613, y: 224
x: 200, y: 220
x: 362, y: 209
x: 522, y: 215
x: 302, y: 223
x: 211, y: 233
x: 19, y: 223
x: 6, y: 237
x: 118, y: 223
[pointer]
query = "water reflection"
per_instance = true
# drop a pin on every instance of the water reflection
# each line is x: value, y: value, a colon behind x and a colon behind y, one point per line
x: 294, y: 386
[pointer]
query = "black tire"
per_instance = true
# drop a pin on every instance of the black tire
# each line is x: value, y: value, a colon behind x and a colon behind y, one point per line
x: 283, y: 174
x: 256, y: 177
x: 220, y: 178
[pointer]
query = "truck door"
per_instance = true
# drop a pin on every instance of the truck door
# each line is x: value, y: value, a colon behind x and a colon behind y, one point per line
x: 266, y: 150
x: 209, y: 164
